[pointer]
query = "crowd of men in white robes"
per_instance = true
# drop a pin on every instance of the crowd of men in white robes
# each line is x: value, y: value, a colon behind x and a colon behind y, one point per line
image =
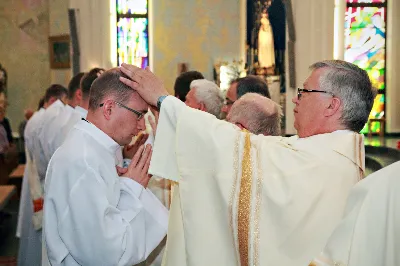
x: 115, y: 164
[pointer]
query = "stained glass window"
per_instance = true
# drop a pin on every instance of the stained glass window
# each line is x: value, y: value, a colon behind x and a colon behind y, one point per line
x: 138, y: 7
x: 365, y: 46
x: 132, y: 32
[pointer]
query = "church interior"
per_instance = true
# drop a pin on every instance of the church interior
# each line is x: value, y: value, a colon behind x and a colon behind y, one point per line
x: 46, y: 42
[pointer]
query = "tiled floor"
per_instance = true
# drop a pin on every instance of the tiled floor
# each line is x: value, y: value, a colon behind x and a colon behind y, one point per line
x: 390, y: 142
x: 8, y: 241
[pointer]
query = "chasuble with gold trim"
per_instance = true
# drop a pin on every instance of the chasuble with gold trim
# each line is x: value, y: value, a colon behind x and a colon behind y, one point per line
x: 243, y: 199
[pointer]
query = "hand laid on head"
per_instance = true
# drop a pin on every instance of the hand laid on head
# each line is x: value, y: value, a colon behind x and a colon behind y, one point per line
x: 130, y: 150
x: 148, y: 85
x: 139, y: 167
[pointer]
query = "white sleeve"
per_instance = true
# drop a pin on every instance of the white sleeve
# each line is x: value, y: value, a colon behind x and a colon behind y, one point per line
x: 163, y: 161
x: 97, y: 233
x: 156, y: 215
x: 46, y: 140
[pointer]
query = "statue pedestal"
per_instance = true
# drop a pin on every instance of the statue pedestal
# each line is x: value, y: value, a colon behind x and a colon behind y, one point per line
x: 274, y: 88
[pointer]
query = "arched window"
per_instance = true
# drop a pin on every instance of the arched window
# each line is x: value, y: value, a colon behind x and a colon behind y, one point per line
x: 365, y: 46
x: 132, y: 32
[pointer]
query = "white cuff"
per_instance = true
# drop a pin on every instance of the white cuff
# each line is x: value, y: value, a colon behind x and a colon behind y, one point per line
x: 131, y: 186
x: 155, y: 208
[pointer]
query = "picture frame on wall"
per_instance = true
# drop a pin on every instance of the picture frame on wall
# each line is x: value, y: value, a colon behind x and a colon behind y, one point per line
x: 59, y: 49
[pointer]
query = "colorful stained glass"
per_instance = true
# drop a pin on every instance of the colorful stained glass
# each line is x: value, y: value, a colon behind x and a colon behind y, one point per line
x: 133, y: 44
x: 138, y: 7
x: 378, y: 111
x: 365, y: 41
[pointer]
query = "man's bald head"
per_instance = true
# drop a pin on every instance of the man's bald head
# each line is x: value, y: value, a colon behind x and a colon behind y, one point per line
x: 258, y: 114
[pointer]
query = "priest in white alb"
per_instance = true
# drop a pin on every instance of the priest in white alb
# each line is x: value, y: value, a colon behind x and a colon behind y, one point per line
x: 31, y: 203
x: 369, y: 234
x: 40, y: 155
x: 244, y: 199
x: 51, y: 135
x: 92, y: 215
x: 52, y: 113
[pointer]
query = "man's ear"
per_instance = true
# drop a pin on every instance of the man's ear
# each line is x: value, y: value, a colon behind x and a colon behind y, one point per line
x: 51, y: 100
x: 203, y: 107
x: 108, y: 107
x: 78, y: 94
x: 240, y: 125
x: 333, y: 107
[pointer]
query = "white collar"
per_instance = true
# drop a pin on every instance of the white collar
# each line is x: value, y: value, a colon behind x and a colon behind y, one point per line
x: 69, y: 107
x: 343, y: 131
x: 56, y: 104
x: 102, y: 138
x: 83, y: 112
x: 340, y: 131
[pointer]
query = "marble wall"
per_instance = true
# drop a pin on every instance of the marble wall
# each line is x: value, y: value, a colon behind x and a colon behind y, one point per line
x: 197, y: 32
x: 24, y: 53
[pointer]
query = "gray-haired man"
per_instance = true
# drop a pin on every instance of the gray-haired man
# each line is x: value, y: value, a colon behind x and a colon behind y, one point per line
x: 262, y: 200
x: 206, y: 96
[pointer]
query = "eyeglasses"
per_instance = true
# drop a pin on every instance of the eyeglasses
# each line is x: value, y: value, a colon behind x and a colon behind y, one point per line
x: 139, y: 114
x: 300, y: 91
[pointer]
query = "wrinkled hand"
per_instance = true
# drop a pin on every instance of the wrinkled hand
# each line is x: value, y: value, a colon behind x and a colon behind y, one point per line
x: 154, y: 122
x: 139, y: 166
x: 130, y: 150
x: 148, y: 85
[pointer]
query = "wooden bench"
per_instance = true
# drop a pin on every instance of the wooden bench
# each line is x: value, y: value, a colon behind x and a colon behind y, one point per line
x: 6, y: 192
x: 18, y: 172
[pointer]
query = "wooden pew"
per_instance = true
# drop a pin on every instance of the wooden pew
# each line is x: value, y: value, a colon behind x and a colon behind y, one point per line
x: 6, y: 192
x: 18, y: 172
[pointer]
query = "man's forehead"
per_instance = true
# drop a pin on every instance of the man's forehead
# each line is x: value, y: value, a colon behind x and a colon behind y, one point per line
x: 307, y: 81
x: 231, y: 94
x: 137, y: 101
x: 192, y: 91
x: 310, y: 78
x: 233, y: 87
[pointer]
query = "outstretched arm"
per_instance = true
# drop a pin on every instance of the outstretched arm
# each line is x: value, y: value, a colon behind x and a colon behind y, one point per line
x: 151, y: 88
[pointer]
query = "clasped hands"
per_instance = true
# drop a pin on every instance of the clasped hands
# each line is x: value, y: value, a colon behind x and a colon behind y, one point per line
x: 139, y: 166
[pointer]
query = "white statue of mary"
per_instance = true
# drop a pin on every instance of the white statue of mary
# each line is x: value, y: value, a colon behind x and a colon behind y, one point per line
x: 266, y: 51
